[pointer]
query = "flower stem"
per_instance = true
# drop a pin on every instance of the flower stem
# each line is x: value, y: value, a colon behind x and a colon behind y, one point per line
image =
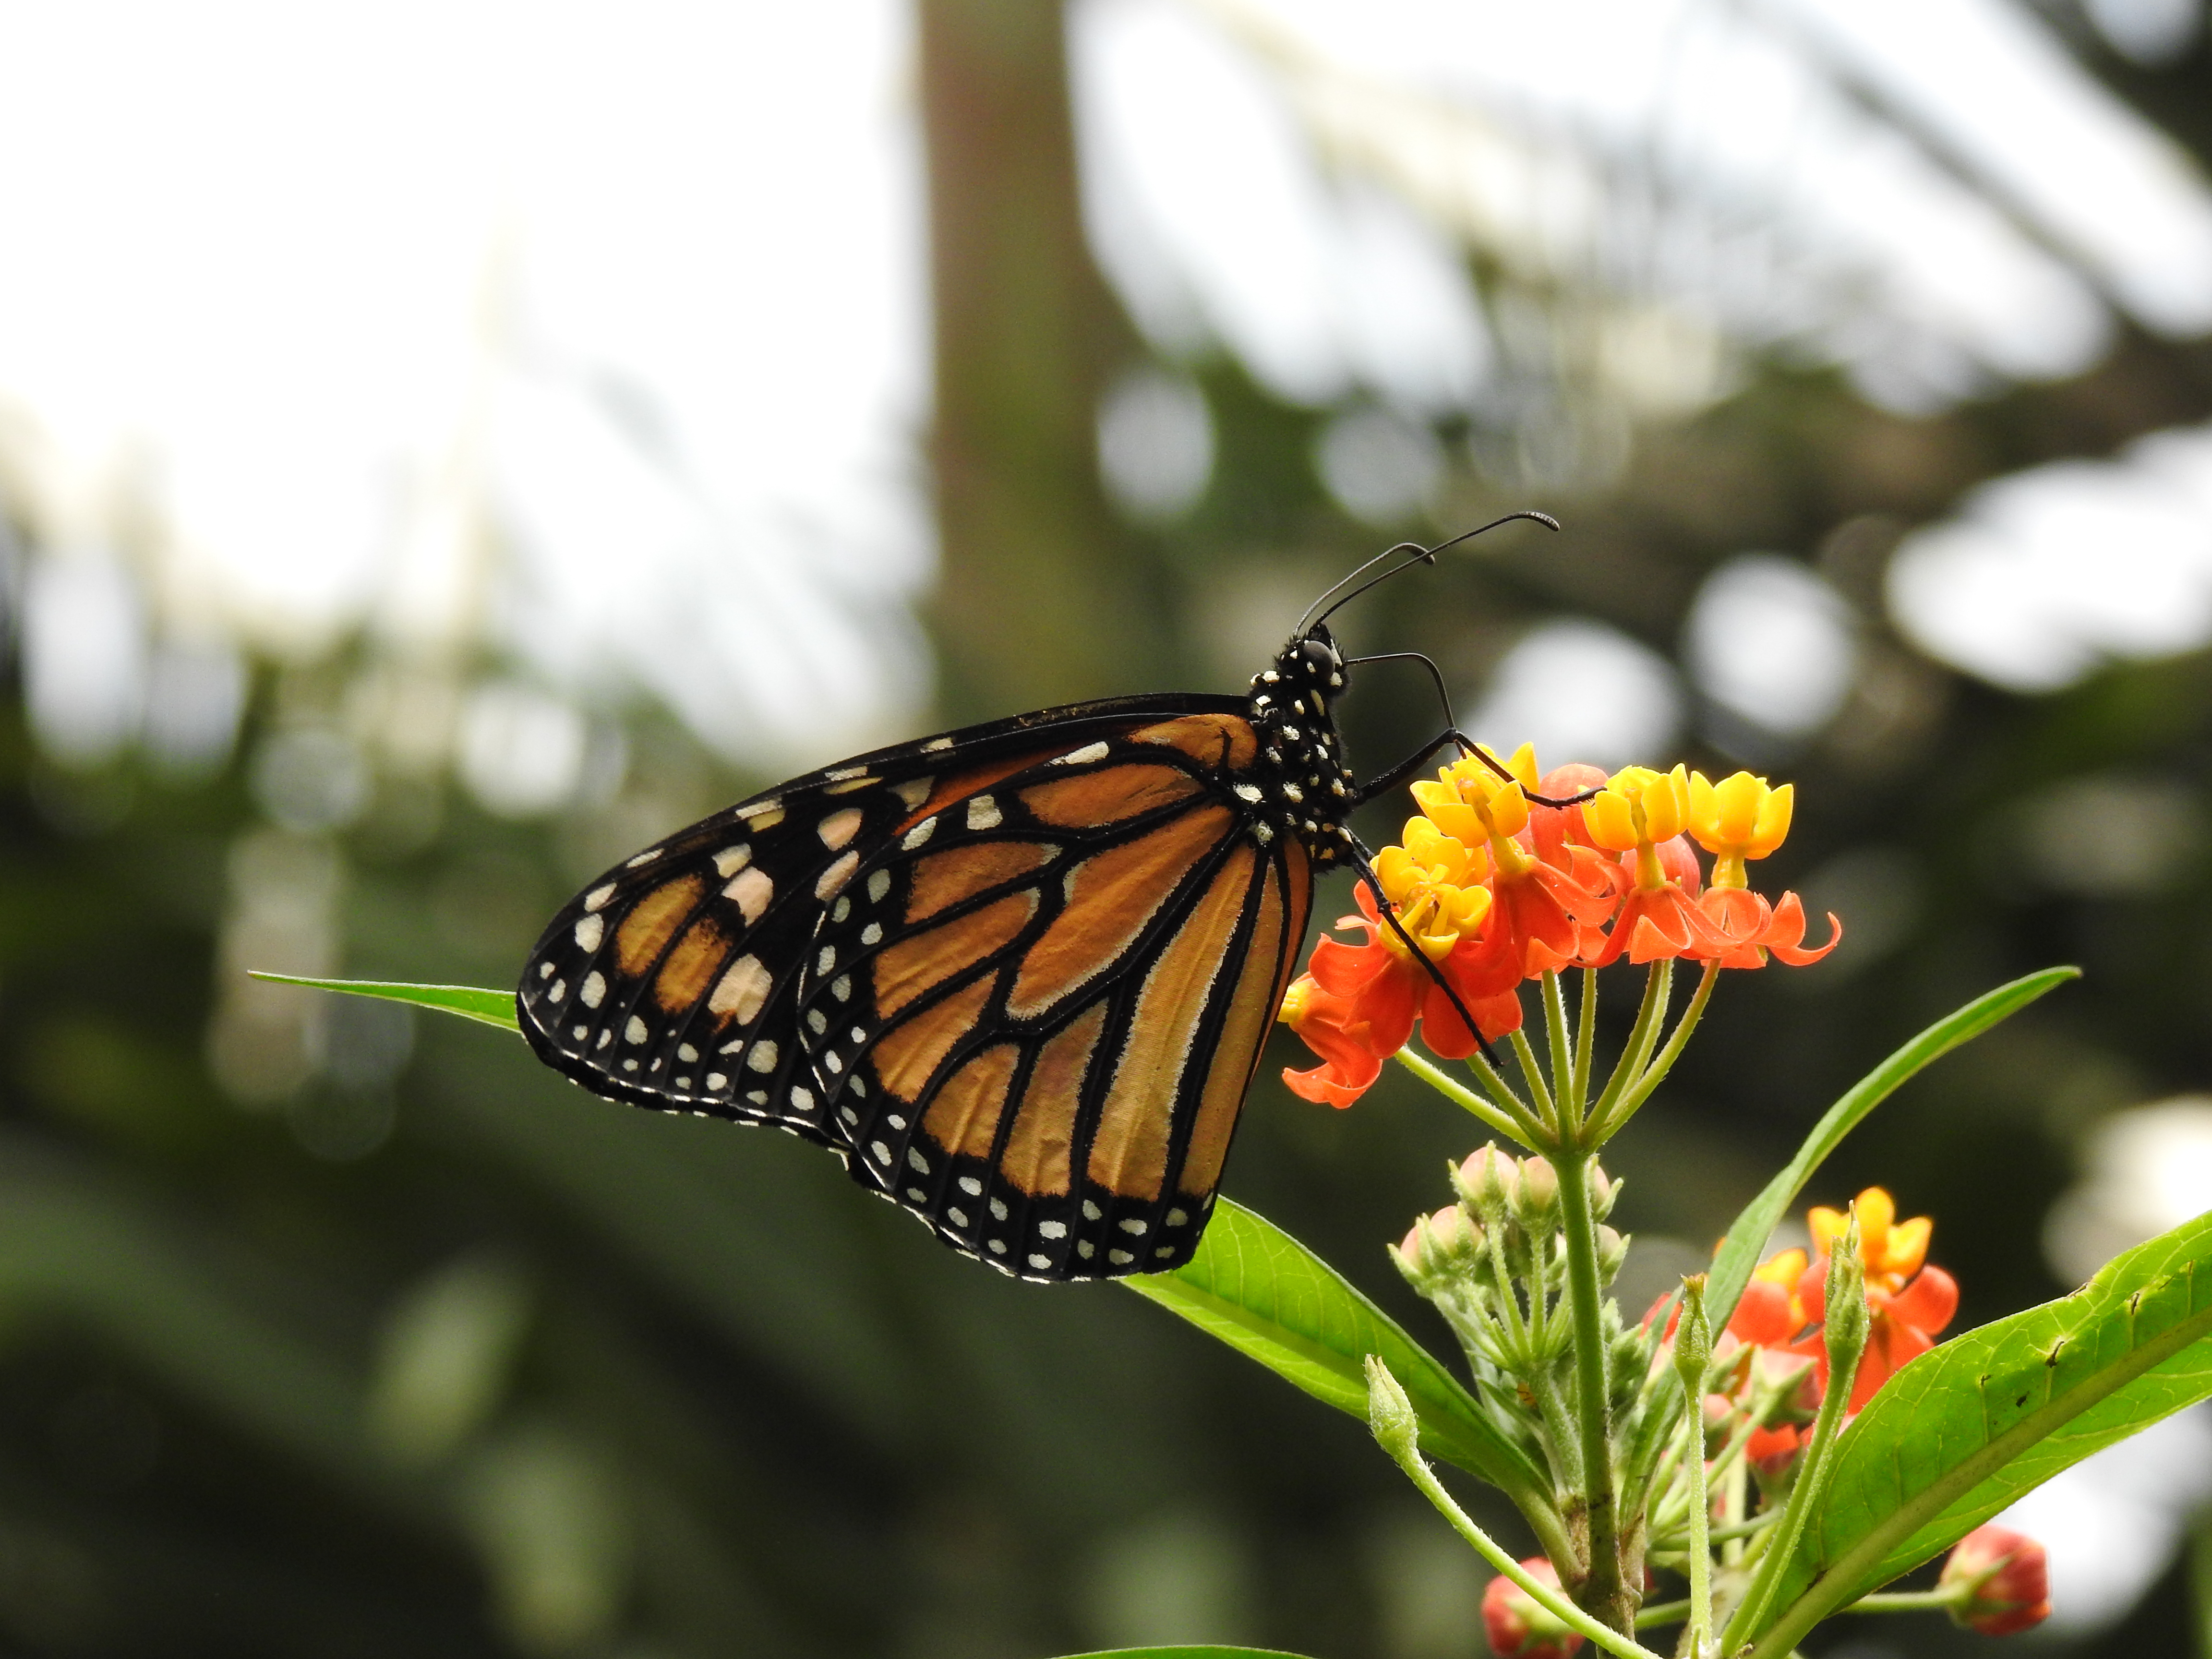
x: 1641, y: 1040
x: 1418, y: 1471
x: 1934, y: 1601
x: 1655, y: 1074
x: 1563, y: 1065
x: 1532, y: 1073
x: 1585, y: 1039
x: 1603, y: 1591
x: 1513, y: 1128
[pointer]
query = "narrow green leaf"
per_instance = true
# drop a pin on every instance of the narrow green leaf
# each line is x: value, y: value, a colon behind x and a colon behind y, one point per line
x: 469, y: 1001
x: 1265, y: 1295
x: 1963, y: 1431
x: 1739, y: 1252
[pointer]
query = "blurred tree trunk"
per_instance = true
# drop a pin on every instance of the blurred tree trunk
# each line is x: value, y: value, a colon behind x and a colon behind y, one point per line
x: 1042, y: 596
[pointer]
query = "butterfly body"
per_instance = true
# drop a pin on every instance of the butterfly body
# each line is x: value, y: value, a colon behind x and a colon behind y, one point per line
x: 1018, y: 976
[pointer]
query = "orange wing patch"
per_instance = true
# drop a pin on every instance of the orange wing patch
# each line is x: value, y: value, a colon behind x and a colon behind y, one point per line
x: 1108, y: 795
x: 683, y: 977
x: 1260, y: 985
x: 952, y: 791
x: 653, y: 921
x: 943, y: 879
x: 1110, y: 896
x: 1209, y: 739
x: 1037, y: 1156
x: 904, y: 970
x: 963, y: 1116
x: 1129, y: 1153
x: 909, y: 1055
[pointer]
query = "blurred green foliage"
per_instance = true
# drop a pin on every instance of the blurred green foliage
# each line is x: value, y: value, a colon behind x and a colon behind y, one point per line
x: 324, y: 1335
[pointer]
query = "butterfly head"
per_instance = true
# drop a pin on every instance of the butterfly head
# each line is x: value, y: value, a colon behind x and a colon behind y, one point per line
x: 1303, y: 785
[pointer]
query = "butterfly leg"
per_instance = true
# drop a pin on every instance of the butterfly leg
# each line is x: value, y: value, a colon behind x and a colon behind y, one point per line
x: 1419, y: 759
x: 1362, y: 863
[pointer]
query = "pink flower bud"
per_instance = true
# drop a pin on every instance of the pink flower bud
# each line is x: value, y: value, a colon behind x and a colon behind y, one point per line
x: 1519, y: 1627
x: 2011, y: 1583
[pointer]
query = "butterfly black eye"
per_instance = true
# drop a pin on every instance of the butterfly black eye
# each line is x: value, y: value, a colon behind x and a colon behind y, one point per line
x: 1322, y: 664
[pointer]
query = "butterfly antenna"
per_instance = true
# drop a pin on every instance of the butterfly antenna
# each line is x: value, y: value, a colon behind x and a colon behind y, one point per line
x: 1421, y: 554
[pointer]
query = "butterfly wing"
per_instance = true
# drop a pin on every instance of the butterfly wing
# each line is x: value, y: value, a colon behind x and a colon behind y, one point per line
x: 1039, y: 1020
x: 668, y: 982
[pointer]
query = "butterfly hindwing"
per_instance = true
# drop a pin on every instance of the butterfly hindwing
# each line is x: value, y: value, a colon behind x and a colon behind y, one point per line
x: 1039, y: 1018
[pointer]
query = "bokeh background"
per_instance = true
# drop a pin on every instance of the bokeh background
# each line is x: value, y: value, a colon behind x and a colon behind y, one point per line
x: 443, y: 446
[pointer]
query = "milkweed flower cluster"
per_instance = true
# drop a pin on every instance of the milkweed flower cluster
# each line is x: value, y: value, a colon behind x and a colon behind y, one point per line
x: 1775, y: 1342
x: 1493, y: 888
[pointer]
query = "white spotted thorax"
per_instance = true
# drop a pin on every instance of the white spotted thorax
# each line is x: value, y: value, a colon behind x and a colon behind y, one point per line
x: 1308, y: 789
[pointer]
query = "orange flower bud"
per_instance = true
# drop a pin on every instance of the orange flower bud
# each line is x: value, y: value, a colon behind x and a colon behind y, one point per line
x: 1520, y: 1627
x: 2010, y: 1578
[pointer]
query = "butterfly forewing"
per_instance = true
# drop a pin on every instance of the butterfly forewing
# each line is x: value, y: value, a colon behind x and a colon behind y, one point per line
x: 1018, y: 976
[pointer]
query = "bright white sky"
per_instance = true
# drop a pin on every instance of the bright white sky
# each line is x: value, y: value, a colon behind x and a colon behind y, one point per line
x: 600, y: 332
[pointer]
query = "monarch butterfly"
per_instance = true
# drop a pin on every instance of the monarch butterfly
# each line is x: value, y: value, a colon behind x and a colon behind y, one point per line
x: 1017, y: 976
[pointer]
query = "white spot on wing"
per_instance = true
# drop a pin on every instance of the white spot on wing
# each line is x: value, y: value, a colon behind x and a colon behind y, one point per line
x: 920, y: 1164
x: 686, y: 1053
x: 731, y: 859
x: 845, y: 774
x: 646, y: 857
x: 920, y: 833
x: 1082, y: 757
x: 838, y: 827
x: 881, y: 1152
x: 998, y: 1209
x: 935, y: 744
x: 634, y: 1031
x: 1086, y: 1249
x: 762, y: 1058
x: 742, y: 989
x: 594, y: 989
x: 1053, y: 1229
x: 1091, y: 1211
x: 544, y: 971
x: 1248, y: 792
x: 1132, y: 1225
x: 589, y: 932
x: 872, y: 932
x: 1120, y: 1258
x: 836, y: 875
x: 913, y: 792
x: 983, y: 814
x: 878, y: 884
x: 751, y: 892
x: 599, y: 895
x: 1040, y: 1261
x: 716, y: 1079
x: 1176, y: 1217
x: 970, y: 1186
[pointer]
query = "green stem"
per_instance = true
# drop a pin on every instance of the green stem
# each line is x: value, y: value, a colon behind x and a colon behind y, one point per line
x: 1630, y: 1067
x: 1934, y: 1601
x: 1532, y: 1073
x: 1603, y: 1591
x: 1655, y: 1074
x: 1512, y: 1128
x: 1543, y: 1595
x: 1662, y: 1612
x: 1781, y: 1544
x: 1563, y: 1065
x: 1585, y: 1041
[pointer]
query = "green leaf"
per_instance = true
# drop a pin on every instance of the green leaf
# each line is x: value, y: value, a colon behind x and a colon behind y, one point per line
x: 1265, y: 1295
x: 1963, y: 1431
x: 1739, y: 1252
x: 469, y: 1001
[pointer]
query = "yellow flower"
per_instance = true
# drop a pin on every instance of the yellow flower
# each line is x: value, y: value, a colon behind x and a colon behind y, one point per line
x: 1893, y: 1250
x: 1738, y: 818
x: 1434, y: 884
